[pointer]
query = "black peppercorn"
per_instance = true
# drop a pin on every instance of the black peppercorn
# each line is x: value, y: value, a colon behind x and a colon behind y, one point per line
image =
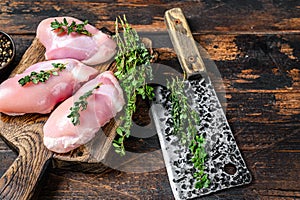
x: 7, y: 50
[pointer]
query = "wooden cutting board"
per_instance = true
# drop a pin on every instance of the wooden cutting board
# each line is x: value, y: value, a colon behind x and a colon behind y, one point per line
x: 25, y: 135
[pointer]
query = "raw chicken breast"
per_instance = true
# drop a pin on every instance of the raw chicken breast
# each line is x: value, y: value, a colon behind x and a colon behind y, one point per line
x: 61, y: 136
x: 90, y: 50
x: 42, y: 97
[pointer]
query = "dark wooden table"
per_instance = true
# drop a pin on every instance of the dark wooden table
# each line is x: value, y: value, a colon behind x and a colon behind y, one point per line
x: 256, y: 47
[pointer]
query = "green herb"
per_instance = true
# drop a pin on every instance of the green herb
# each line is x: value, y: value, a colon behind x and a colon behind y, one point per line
x: 198, y: 159
x: 80, y: 105
x: 42, y: 76
x: 133, y: 70
x: 65, y: 27
x: 185, y: 121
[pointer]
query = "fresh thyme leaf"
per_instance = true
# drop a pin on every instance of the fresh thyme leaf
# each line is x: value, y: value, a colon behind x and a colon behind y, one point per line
x: 185, y: 120
x: 80, y: 105
x: 42, y: 76
x: 65, y: 27
x: 133, y: 70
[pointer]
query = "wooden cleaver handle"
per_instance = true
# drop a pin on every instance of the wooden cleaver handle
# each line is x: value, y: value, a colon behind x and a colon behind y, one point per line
x: 184, y: 43
x: 20, y: 180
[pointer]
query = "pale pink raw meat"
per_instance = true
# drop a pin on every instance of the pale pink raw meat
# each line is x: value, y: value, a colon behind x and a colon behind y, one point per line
x: 92, y: 50
x: 42, y: 97
x: 61, y: 136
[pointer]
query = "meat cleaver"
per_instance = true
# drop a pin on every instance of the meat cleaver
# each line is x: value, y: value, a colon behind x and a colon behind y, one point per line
x: 224, y: 163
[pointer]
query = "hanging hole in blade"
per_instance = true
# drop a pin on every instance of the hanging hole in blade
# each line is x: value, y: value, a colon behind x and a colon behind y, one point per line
x: 230, y: 168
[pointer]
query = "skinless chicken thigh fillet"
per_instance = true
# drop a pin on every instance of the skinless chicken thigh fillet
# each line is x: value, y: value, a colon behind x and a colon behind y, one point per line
x: 42, y: 97
x: 61, y: 135
x: 91, y: 50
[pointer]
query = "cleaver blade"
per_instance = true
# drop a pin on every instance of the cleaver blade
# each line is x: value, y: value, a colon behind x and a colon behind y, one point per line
x: 224, y: 163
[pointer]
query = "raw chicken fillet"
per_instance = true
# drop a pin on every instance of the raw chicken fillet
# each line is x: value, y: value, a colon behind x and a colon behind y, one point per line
x: 42, y: 97
x: 61, y: 135
x: 91, y: 50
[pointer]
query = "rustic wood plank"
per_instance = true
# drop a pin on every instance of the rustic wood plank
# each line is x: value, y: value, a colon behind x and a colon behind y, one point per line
x: 7, y: 156
x: 155, y: 184
x: 256, y: 46
x: 262, y: 109
x: 21, y: 178
x: 203, y: 16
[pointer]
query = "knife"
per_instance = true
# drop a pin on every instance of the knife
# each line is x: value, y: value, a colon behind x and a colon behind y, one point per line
x: 224, y: 164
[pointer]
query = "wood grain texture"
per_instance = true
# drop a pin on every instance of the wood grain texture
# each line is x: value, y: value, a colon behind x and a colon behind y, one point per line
x: 203, y: 16
x: 262, y: 109
x: 20, y: 180
x: 256, y: 47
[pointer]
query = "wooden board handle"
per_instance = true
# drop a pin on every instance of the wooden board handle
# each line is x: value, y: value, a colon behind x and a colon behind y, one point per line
x: 184, y: 43
x: 20, y: 180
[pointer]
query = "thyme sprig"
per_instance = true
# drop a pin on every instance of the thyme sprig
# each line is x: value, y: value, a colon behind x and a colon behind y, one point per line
x: 65, y: 27
x: 42, y: 76
x: 185, y: 122
x: 133, y: 71
x: 197, y: 149
x: 80, y: 105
